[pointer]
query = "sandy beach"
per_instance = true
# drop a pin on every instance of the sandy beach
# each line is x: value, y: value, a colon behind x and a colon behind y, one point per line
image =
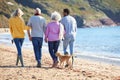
x: 82, y: 70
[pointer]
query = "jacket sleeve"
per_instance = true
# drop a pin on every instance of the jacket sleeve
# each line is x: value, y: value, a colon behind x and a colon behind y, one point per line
x: 44, y: 26
x: 27, y: 28
x: 24, y: 27
x: 61, y: 32
x: 47, y: 32
x: 75, y: 25
x: 10, y: 27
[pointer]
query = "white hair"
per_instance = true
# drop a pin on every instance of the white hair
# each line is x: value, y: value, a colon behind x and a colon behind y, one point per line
x: 37, y: 11
x: 56, y: 16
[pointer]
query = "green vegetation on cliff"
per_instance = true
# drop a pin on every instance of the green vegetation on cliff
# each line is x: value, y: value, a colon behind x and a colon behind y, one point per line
x: 82, y: 10
x: 110, y: 7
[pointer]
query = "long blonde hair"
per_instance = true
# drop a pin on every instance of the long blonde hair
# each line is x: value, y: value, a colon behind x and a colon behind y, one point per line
x: 18, y: 13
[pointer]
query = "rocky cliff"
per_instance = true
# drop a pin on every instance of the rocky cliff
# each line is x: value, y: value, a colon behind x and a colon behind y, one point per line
x: 88, y: 13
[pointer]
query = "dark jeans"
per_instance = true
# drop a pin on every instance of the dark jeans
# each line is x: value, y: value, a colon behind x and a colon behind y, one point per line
x: 53, y: 48
x: 37, y: 45
x: 18, y: 43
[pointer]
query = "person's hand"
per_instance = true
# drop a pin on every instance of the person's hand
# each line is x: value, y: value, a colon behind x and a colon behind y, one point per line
x: 30, y: 38
x: 46, y: 40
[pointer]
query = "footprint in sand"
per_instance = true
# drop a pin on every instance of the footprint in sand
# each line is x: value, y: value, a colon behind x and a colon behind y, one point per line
x: 33, y: 77
x: 88, y: 74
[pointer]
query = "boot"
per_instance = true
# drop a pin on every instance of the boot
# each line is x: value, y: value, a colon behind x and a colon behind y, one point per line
x: 72, y: 60
x: 39, y: 65
x: 21, y: 60
x: 17, y: 60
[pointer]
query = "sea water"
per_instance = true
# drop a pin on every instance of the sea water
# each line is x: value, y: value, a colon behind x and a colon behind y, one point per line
x: 98, y: 42
x: 102, y: 41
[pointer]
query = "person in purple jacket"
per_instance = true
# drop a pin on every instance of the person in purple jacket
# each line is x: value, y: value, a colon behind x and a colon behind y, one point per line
x: 53, y: 35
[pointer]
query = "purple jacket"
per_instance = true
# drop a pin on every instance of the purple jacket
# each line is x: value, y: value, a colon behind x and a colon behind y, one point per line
x: 52, y: 31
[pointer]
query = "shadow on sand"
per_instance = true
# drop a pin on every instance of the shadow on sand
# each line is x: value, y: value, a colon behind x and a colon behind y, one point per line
x: 25, y: 67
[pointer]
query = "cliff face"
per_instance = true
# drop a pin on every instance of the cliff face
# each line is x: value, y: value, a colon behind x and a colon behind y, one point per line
x: 110, y: 7
x: 87, y: 12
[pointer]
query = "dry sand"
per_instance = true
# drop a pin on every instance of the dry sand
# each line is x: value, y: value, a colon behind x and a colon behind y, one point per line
x: 83, y: 69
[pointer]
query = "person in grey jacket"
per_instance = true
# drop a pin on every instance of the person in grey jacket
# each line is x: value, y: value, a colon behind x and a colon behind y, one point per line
x: 70, y: 27
x: 37, y: 24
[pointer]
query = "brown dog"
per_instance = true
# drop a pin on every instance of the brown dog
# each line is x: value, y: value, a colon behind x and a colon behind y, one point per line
x: 63, y: 59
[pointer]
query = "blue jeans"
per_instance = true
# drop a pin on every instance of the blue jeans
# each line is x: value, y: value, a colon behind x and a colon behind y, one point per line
x: 18, y: 43
x: 37, y: 45
x: 53, y: 48
x: 70, y: 42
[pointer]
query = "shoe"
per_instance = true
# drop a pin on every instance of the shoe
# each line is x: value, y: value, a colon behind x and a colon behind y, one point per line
x: 39, y: 65
x: 55, y: 64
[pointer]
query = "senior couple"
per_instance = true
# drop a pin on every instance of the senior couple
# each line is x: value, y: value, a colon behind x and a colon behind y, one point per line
x: 57, y: 29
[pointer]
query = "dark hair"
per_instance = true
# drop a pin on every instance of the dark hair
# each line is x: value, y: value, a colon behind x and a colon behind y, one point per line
x: 66, y: 11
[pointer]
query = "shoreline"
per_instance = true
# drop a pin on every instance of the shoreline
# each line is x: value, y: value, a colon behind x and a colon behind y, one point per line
x: 106, y: 60
x: 81, y: 55
x: 83, y: 69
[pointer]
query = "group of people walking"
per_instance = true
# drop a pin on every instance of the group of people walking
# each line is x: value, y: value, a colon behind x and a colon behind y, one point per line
x: 52, y: 33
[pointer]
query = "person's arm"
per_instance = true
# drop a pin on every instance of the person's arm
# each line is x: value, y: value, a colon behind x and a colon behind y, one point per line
x: 28, y: 31
x: 11, y: 30
x: 29, y: 35
x: 44, y: 26
x: 75, y: 26
x: 46, y: 34
x: 10, y: 27
x: 24, y: 27
x: 63, y: 23
x: 61, y: 32
x: 27, y: 28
